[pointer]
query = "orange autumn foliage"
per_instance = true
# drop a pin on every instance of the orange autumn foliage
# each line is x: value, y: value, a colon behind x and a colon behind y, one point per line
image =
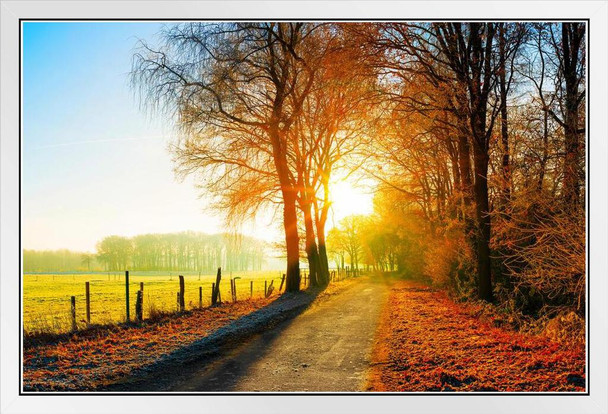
x: 427, y: 342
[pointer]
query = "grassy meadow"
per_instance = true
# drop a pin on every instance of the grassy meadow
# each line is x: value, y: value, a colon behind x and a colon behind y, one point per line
x: 46, y: 297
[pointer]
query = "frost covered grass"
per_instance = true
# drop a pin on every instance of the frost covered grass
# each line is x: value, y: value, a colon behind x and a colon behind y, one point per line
x: 95, y: 358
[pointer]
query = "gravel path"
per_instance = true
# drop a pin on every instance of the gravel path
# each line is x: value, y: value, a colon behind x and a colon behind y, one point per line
x: 326, y: 348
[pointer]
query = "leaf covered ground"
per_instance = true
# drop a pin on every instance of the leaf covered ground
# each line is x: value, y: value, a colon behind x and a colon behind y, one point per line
x: 428, y: 342
x: 90, y: 360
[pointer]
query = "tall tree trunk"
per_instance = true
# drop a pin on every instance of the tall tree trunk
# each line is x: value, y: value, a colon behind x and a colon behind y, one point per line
x: 457, y: 182
x: 572, y: 34
x: 482, y: 209
x: 481, y: 40
x: 292, y: 240
x: 466, y: 188
x: 290, y: 217
x: 312, y: 252
x: 320, y: 221
x: 323, y: 261
x: 504, y: 131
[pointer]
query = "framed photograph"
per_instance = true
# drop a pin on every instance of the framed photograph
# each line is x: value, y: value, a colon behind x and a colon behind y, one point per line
x: 342, y: 206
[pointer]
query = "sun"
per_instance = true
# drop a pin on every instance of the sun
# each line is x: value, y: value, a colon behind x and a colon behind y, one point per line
x: 349, y: 197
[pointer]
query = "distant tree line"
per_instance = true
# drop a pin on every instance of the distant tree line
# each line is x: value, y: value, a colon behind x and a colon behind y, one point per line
x: 43, y: 261
x: 189, y: 251
x: 373, y: 243
x: 186, y: 251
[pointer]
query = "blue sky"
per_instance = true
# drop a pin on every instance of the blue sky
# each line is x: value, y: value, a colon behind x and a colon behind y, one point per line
x: 94, y: 164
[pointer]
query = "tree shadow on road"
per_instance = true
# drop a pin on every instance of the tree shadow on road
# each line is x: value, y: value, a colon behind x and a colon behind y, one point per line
x: 225, y: 374
x: 202, y: 362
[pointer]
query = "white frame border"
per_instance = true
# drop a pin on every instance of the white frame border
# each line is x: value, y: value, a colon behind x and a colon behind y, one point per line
x: 12, y: 11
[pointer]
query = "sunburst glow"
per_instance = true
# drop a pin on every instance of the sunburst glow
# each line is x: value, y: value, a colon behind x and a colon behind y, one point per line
x: 349, y: 197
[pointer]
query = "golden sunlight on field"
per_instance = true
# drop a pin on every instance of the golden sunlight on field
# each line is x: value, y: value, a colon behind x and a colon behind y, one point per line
x: 46, y: 298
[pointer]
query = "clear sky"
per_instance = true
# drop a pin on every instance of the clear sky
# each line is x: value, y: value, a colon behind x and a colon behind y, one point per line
x: 93, y: 163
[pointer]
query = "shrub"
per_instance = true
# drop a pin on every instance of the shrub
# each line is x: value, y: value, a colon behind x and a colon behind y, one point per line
x: 542, y: 248
x: 449, y: 262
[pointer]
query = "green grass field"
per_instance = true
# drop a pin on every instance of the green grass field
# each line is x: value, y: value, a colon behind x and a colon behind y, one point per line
x: 46, y: 298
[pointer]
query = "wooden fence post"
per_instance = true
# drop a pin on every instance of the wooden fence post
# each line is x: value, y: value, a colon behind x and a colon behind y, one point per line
x: 139, y: 314
x: 127, y: 293
x: 282, y: 281
x: 141, y: 286
x: 182, y: 303
x: 212, y: 292
x: 88, y: 298
x: 251, y: 289
x: 265, y: 287
x: 200, y: 297
x: 270, y: 288
x: 73, y: 312
x: 216, y: 289
x: 232, y: 289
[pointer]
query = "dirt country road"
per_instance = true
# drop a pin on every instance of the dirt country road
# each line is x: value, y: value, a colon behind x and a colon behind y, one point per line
x: 325, y: 348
